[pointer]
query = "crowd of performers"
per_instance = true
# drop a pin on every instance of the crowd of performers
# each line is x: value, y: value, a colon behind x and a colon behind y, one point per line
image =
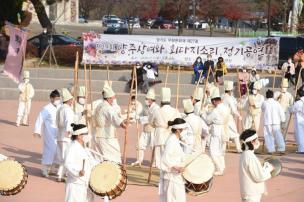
x: 72, y: 128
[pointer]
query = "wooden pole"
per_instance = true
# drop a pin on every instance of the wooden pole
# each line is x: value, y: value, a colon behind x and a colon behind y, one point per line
x: 128, y: 117
x: 167, y: 73
x: 206, y: 82
x: 108, y: 74
x: 86, y: 92
x: 177, y: 88
x: 75, y: 86
x: 90, y: 86
x: 151, y: 164
x: 290, y: 116
x: 274, y: 79
x: 137, y: 124
x: 240, y: 95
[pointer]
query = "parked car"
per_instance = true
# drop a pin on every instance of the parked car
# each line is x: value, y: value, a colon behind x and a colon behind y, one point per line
x: 57, y: 39
x: 82, y: 20
x: 113, y: 23
x: 116, y: 30
x: 105, y: 18
x: 163, y: 24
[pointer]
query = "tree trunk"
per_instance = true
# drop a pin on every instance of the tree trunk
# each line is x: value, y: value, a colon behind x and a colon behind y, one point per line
x: 42, y: 16
x: 236, y: 26
x: 211, y: 30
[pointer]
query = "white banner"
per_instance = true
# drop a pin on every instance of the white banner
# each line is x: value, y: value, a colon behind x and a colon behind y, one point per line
x: 179, y: 50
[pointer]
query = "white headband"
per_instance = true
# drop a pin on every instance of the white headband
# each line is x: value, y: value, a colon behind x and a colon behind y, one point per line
x: 81, y: 131
x: 180, y: 126
x: 249, y: 139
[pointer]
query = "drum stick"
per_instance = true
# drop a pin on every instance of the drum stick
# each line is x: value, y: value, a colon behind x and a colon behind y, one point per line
x: 167, y: 73
x: 194, y: 159
x: 290, y: 116
x: 83, y: 163
x: 151, y: 164
x: 177, y: 87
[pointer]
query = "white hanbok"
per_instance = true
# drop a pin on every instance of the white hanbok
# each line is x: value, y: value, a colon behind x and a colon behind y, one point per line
x: 27, y: 93
x: 64, y: 119
x: 252, y: 177
x: 2, y: 157
x: 286, y: 101
x: 298, y: 110
x: 77, y: 188
x: 160, y: 120
x: 273, y: 117
x: 172, y: 185
x: 107, y: 121
x: 46, y: 126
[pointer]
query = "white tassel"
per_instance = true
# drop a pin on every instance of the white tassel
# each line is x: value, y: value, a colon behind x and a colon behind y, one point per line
x: 106, y: 199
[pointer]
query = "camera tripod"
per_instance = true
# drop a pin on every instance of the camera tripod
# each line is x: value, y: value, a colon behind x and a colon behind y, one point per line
x: 51, y: 53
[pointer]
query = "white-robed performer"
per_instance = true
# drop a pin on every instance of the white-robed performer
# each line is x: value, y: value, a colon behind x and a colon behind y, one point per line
x: 107, y: 120
x: 197, y: 130
x: 78, y: 163
x: 285, y: 99
x: 26, y: 95
x: 252, y: 174
x: 298, y: 110
x: 197, y: 100
x: 160, y: 120
x: 172, y: 185
x: 230, y: 101
x: 273, y: 117
x: 218, y: 121
x: 252, y: 105
x: 46, y: 127
x: 80, y: 106
x: 64, y: 119
x: 146, y: 139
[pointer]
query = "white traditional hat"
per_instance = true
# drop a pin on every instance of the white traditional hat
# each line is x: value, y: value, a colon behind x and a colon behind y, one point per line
x: 107, y: 84
x: 165, y: 94
x: 198, y: 94
x: 284, y: 83
x: 228, y: 85
x: 26, y: 75
x: 151, y: 94
x: 257, y: 85
x: 81, y: 91
x: 108, y: 93
x: 188, y: 106
x: 79, y: 129
x: 215, y: 93
x: 66, y: 95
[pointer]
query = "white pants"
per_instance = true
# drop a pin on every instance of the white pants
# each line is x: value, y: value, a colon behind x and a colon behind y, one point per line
x: 172, y: 192
x: 250, y: 120
x: 24, y: 109
x: 146, y: 139
x: 256, y: 198
x: 61, y: 150
x: 78, y: 193
x: 158, y: 152
x: 219, y: 163
x: 299, y: 134
x: 273, y: 133
x: 110, y: 149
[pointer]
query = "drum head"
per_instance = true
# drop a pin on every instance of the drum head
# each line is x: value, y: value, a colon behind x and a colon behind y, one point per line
x: 199, y: 170
x: 11, y: 174
x: 105, y: 177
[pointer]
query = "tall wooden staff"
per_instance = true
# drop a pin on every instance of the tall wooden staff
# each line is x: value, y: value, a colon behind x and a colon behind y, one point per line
x: 290, y: 116
x: 128, y: 117
x: 137, y: 124
x: 274, y: 79
x: 177, y: 87
x: 108, y: 74
x: 206, y: 82
x: 196, y: 86
x: 75, y: 86
x: 240, y: 95
x: 167, y: 73
x: 90, y: 87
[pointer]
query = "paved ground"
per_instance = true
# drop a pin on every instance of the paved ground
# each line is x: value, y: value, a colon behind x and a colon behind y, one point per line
x: 20, y: 144
x: 76, y: 30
